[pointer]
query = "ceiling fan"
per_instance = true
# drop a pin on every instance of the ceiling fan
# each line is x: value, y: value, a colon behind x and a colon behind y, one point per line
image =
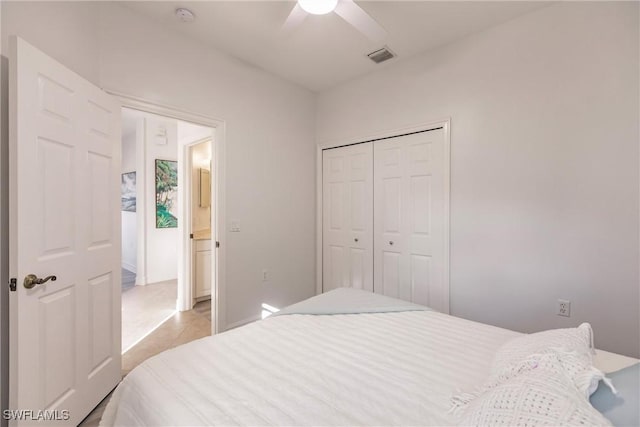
x: 346, y: 9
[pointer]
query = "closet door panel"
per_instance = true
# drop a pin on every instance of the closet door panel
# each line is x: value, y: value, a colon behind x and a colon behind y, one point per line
x: 417, y: 218
x: 336, y: 196
x: 390, y: 268
x: 387, y: 218
x: 409, y: 218
x: 420, y: 204
x: 335, y: 267
x: 347, y: 217
x: 392, y: 201
x: 420, y: 278
x: 334, y: 172
x: 431, y: 243
x: 358, y: 263
x: 359, y: 214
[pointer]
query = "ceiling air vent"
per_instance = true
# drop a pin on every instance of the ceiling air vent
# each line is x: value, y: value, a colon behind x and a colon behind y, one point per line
x: 381, y: 55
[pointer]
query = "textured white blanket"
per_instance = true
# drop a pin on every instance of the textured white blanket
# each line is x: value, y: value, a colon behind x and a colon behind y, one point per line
x: 374, y: 369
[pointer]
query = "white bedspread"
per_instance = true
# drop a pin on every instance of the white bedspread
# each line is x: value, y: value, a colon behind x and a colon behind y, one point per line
x: 373, y: 369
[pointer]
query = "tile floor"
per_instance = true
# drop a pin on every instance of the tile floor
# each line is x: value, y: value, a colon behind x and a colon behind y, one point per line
x: 144, y: 308
x: 180, y: 328
x: 203, y: 308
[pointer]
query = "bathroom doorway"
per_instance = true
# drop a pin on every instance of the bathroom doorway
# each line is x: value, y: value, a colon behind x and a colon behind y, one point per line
x: 200, y: 159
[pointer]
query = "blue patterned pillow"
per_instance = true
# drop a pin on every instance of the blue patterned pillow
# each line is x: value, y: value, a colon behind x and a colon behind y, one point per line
x: 622, y: 409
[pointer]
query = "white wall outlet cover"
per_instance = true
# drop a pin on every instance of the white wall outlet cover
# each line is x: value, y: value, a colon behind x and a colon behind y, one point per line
x: 235, y: 227
x: 564, y: 308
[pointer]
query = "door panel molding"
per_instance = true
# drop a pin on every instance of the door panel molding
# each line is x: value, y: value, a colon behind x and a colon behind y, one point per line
x: 64, y: 135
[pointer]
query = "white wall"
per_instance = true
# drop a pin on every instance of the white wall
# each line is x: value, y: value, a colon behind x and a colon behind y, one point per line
x: 67, y: 31
x: 269, y: 126
x: 544, y: 163
x: 129, y: 228
x: 161, y: 245
x: 189, y: 133
x: 269, y: 130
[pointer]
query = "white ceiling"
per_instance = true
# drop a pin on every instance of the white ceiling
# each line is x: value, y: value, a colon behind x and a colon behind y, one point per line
x: 325, y: 50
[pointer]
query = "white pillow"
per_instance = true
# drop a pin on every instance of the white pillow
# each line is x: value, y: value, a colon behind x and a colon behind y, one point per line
x: 568, y: 340
x: 574, y: 345
x: 540, y: 393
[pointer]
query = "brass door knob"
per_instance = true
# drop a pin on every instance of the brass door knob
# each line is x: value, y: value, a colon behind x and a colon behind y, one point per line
x: 31, y: 280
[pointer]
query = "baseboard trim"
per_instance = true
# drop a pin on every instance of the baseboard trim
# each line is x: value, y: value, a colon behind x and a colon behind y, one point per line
x: 130, y: 267
x: 242, y: 322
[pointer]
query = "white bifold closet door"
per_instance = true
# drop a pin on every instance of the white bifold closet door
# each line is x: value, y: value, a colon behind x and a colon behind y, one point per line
x: 409, y: 225
x: 347, y: 220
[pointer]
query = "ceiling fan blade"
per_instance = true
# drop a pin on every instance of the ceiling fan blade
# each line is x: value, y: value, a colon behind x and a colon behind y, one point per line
x: 356, y: 16
x: 294, y: 19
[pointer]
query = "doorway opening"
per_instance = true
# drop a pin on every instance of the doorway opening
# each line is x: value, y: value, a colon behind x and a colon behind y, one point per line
x: 163, y: 192
x: 199, y: 157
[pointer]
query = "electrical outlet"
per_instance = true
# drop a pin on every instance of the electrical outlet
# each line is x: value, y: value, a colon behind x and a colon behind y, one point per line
x: 265, y: 275
x: 564, y: 308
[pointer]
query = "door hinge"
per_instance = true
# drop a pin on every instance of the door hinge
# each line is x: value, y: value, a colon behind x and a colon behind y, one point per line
x: 13, y: 283
x: 217, y: 244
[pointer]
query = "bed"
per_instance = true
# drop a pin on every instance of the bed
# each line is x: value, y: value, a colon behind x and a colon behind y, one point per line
x: 346, y: 357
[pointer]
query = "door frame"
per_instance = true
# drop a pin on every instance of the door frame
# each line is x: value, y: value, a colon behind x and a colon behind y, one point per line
x: 445, y: 124
x: 218, y: 255
x: 186, y: 287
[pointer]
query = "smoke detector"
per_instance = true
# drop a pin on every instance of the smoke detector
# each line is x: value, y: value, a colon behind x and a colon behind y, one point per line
x: 381, y: 55
x: 185, y: 15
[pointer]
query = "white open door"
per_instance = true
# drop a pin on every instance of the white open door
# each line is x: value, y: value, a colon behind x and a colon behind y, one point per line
x: 64, y: 221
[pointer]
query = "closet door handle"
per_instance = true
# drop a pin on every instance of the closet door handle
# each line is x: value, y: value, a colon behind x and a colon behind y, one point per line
x: 355, y: 240
x: 391, y: 242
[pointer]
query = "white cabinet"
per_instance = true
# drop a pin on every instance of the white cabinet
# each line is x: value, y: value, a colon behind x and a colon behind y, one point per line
x: 385, y: 218
x: 202, y: 267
